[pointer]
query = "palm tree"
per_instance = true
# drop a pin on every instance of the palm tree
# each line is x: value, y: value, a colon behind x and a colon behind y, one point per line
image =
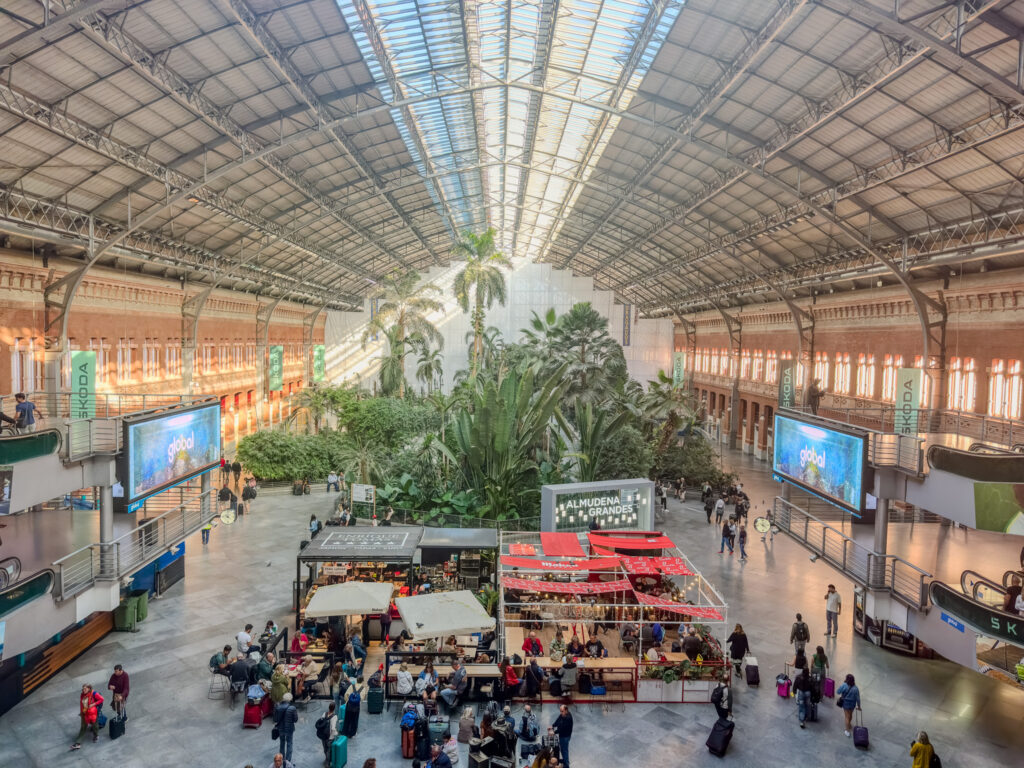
x: 597, y: 367
x: 429, y: 366
x: 392, y: 364
x: 667, y: 401
x: 491, y: 344
x: 358, y: 456
x: 405, y: 305
x: 483, y: 277
x: 314, y: 403
x: 595, y: 430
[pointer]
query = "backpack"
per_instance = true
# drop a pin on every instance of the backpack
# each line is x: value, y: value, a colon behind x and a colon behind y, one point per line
x: 409, y: 719
x: 224, y: 494
x: 935, y: 762
x: 529, y: 728
x: 802, y: 633
x: 354, y: 699
x: 323, y: 727
x: 716, y: 695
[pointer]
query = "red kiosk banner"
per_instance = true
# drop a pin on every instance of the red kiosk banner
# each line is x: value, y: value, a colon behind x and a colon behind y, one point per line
x: 522, y: 549
x: 639, y: 566
x: 567, y: 588
x: 695, y: 611
x: 561, y: 545
x: 540, y: 564
x: 650, y: 541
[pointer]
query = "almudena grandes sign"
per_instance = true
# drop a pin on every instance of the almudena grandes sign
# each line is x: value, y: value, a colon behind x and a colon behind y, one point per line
x: 621, y: 504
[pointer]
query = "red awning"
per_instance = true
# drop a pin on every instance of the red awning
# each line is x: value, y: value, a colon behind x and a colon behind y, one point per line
x: 648, y: 566
x: 650, y: 541
x: 639, y: 566
x: 522, y: 549
x: 540, y: 564
x: 561, y: 545
x: 696, y: 612
x: 567, y: 588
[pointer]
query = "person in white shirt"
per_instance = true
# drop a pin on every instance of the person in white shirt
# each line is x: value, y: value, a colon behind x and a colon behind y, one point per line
x: 1019, y: 604
x: 403, y: 681
x: 833, y: 607
x: 719, y: 510
x: 244, y: 640
x: 654, y: 652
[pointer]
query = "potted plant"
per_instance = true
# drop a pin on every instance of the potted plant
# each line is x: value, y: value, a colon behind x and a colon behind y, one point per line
x: 673, y: 685
x: 651, y: 686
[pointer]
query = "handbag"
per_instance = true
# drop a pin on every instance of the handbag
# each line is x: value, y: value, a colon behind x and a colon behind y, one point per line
x: 275, y: 733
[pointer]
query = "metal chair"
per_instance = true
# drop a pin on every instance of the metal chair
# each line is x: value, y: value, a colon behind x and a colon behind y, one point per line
x: 218, y: 685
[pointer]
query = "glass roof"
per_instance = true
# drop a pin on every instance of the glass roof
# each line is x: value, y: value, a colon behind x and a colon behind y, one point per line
x: 528, y: 84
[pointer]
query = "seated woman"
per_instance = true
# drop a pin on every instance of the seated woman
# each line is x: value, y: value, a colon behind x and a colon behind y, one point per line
x: 509, y: 676
x: 426, y: 683
x: 557, y: 649
x: 404, y: 685
x: 575, y: 648
x: 300, y: 642
x: 308, y: 671
x: 450, y: 645
x: 279, y: 684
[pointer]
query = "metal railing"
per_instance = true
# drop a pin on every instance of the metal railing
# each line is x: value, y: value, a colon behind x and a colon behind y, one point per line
x: 903, y: 579
x: 58, y: 405
x: 123, y: 556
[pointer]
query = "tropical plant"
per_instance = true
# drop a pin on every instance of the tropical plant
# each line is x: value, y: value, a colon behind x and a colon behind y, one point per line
x: 628, y: 455
x: 500, y: 437
x: 483, y: 278
x: 359, y: 457
x: 392, y: 364
x: 596, y: 429
x: 488, y: 597
x: 669, y: 403
x: 404, y: 308
x: 313, y: 403
x: 596, y: 365
x: 429, y: 367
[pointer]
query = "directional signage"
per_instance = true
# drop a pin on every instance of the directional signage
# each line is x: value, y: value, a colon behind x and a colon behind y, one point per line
x: 953, y: 622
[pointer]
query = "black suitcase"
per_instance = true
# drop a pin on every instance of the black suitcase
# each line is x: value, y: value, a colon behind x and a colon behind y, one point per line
x: 117, y: 727
x: 585, y: 682
x: 753, y: 674
x: 556, y: 687
x: 720, y: 736
x: 375, y: 701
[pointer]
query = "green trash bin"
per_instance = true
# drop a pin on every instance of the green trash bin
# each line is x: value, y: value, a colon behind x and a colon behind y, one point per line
x: 142, y: 596
x: 124, y: 615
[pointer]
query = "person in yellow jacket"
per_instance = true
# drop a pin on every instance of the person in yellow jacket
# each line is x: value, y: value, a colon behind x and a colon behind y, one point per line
x: 922, y: 750
x: 206, y: 532
x: 279, y: 684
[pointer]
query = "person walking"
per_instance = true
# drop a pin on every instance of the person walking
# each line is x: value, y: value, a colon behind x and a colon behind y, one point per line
x: 739, y: 646
x: 733, y: 532
x: 709, y: 507
x: 236, y: 470
x: 563, y: 727
x: 719, y: 508
x: 279, y: 762
x: 819, y: 663
x: 849, y: 700
x: 118, y: 686
x: 206, y: 532
x: 25, y: 412
x: 353, y: 700
x: 285, y: 718
x: 799, y: 634
x: 742, y: 536
x: 721, y: 697
x: 225, y: 470
x: 802, y: 687
x: 833, y: 607
x: 89, y: 704
x: 922, y: 751
x: 725, y: 539
x: 327, y: 729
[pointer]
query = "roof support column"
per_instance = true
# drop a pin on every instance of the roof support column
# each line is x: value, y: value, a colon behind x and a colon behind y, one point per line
x: 308, y: 326
x: 191, y: 308
x: 735, y: 329
x: 263, y: 315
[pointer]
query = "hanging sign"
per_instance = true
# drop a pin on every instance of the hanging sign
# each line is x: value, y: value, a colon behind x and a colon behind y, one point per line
x: 908, y: 400
x: 275, y: 368
x: 83, y: 384
x: 319, y: 363
x: 787, y: 383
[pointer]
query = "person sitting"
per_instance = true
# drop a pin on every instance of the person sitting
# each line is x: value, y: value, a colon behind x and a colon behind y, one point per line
x: 628, y: 636
x: 595, y: 648
x: 404, y: 684
x: 426, y: 683
x: 532, y: 646
x: 509, y: 676
x: 534, y: 677
x: 575, y: 649
x: 309, y: 670
x: 486, y: 725
x: 528, y: 729
x: 450, y: 645
x: 239, y: 675
x: 265, y: 668
x: 691, y: 645
x: 300, y: 642
x: 654, y: 653
x: 557, y: 649
x: 220, y: 663
x: 457, y: 683
x: 569, y: 673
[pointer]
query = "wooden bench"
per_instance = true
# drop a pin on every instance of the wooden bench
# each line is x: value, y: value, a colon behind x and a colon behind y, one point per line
x: 71, y: 646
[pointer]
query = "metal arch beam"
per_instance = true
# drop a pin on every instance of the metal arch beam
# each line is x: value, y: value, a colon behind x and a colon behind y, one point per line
x: 308, y: 326
x: 974, y: 71
x: 471, y: 50
x: 29, y: 41
x: 755, y: 46
x: 257, y: 31
x: 384, y: 60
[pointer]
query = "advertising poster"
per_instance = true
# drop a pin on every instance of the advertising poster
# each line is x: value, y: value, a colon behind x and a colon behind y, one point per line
x: 83, y: 384
x: 825, y: 462
x: 319, y: 363
x: 678, y: 368
x: 999, y: 507
x: 787, y: 383
x: 908, y: 399
x: 163, y: 451
x: 275, y: 368
x: 362, y: 493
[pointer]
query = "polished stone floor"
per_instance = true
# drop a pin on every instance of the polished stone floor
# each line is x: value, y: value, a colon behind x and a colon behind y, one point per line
x: 246, y: 572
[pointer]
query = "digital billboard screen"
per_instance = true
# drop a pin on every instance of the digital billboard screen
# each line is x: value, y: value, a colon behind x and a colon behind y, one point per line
x: 162, y: 451
x: 826, y: 462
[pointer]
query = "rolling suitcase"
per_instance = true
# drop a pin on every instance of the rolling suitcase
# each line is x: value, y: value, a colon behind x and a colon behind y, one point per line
x: 753, y: 673
x: 829, y: 688
x: 375, y: 701
x: 117, y: 727
x: 721, y: 735
x: 815, y: 690
x: 860, y: 731
x: 782, y: 684
x: 252, y: 715
x: 812, y: 711
x: 408, y: 743
x: 437, y: 727
x: 339, y: 752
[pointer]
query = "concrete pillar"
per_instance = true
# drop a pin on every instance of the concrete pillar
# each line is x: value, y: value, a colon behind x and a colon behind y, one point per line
x: 205, y: 484
x: 882, y: 526
x: 51, y: 385
x: 106, y: 514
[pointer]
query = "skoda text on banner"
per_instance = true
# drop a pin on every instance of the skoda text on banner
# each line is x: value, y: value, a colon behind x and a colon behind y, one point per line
x: 275, y: 368
x: 83, y: 384
x: 787, y: 383
x: 908, y: 400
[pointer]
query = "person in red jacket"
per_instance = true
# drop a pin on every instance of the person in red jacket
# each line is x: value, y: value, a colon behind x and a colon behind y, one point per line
x: 89, y: 704
x: 509, y: 675
x: 532, y: 646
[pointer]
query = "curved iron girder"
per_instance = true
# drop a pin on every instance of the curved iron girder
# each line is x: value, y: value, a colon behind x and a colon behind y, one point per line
x: 308, y: 326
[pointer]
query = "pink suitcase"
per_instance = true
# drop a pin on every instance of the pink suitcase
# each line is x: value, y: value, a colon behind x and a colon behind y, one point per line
x: 252, y: 717
x: 782, y: 684
x: 828, y: 688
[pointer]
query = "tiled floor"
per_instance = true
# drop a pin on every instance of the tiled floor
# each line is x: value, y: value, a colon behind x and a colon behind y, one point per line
x: 246, y: 572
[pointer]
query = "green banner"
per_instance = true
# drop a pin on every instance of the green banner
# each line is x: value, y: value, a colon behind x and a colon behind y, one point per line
x: 319, y: 363
x: 678, y: 368
x: 787, y: 383
x: 275, y: 368
x: 83, y: 384
x: 908, y: 400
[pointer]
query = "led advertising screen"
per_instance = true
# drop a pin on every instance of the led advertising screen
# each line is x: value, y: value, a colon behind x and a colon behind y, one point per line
x: 828, y: 463
x: 165, y: 450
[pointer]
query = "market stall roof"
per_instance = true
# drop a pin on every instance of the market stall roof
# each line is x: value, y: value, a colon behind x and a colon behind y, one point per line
x: 459, y: 538
x: 350, y: 599
x: 443, y: 613
x: 542, y: 564
x: 561, y: 545
x: 392, y: 545
x: 621, y: 540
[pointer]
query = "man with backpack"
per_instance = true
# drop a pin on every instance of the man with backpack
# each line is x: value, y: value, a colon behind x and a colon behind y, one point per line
x: 528, y: 729
x: 327, y: 729
x: 799, y: 634
x: 226, y: 495
x: 721, y: 697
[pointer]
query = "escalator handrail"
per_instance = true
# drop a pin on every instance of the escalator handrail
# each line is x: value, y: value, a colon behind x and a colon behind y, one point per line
x: 980, y: 579
x: 1007, y: 575
x: 982, y: 618
x: 1017, y: 447
x: 986, y: 448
